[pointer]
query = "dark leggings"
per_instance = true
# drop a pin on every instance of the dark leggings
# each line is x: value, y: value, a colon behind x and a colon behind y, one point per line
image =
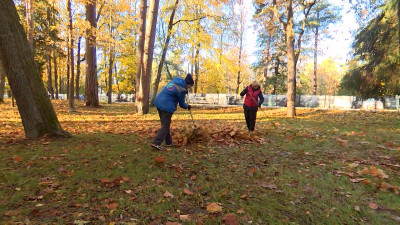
x: 163, y: 134
x: 250, y: 114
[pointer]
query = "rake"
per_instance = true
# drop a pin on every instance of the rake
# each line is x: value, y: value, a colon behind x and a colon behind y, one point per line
x: 265, y: 114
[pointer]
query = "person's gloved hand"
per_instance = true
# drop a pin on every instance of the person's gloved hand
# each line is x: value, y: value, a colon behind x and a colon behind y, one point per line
x: 189, y: 107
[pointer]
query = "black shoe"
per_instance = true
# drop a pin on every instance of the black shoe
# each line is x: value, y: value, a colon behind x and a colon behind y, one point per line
x: 158, y: 147
x: 169, y: 145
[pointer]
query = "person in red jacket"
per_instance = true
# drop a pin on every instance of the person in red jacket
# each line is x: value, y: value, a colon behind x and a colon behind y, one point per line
x: 253, y: 101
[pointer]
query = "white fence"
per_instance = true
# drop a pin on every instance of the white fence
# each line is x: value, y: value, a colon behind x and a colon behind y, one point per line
x: 308, y: 101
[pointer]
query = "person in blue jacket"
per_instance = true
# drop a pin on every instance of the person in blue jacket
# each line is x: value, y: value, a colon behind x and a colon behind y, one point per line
x: 166, y: 101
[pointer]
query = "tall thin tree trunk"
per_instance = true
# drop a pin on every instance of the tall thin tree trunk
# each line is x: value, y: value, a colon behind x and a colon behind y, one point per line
x: 275, y: 84
x: 60, y: 83
x: 78, y: 68
x: 110, y: 72
x: 140, y: 66
x: 110, y: 59
x: 291, y: 64
x: 91, y: 84
x: 316, y: 55
x: 48, y: 56
x: 196, y: 68
x: 29, y: 21
x: 240, y: 66
x: 267, y: 61
x: 398, y: 21
x: 49, y: 73
x: 148, y: 53
x: 145, y: 80
x: 164, y: 52
x: 55, y: 71
x: 37, y: 113
x: 68, y: 72
x: 2, y: 82
x: 71, y: 62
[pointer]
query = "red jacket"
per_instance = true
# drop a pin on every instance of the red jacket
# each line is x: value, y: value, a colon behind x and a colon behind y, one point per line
x: 252, y: 96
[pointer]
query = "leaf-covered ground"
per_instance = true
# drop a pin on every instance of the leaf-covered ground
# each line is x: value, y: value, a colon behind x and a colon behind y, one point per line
x: 323, y: 167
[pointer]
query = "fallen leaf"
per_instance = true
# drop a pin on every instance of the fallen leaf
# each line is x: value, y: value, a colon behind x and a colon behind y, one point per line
x: 187, y: 191
x: 384, y: 186
x: 357, y: 208
x: 270, y: 186
x: 389, y: 144
x: 375, y: 172
x: 252, y: 170
x: 167, y: 194
x: 18, y: 159
x: 230, y: 219
x: 357, y: 180
x: 373, y: 205
x: 125, y: 179
x: 214, y: 208
x: 159, y: 159
x: 106, y: 180
x: 80, y: 222
x: 112, y: 206
x: 366, y: 181
x: 364, y: 171
x: 11, y: 213
x: 172, y: 223
x: 223, y: 193
x: 184, y: 218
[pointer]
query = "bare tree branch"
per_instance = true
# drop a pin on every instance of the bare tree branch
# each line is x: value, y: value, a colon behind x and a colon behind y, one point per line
x: 306, y: 12
x: 189, y: 20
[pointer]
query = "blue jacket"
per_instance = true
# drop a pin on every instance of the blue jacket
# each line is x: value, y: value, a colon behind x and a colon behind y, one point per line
x: 172, y: 94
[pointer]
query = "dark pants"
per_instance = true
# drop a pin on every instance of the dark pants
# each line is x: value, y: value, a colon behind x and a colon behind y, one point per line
x: 250, y: 114
x: 163, y: 134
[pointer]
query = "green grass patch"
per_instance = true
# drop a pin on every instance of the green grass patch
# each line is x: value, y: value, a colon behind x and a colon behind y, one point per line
x: 307, y: 170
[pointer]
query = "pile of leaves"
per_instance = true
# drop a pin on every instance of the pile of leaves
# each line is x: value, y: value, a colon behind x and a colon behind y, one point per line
x: 217, y: 133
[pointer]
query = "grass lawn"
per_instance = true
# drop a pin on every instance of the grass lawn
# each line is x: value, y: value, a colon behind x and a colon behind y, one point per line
x: 323, y: 167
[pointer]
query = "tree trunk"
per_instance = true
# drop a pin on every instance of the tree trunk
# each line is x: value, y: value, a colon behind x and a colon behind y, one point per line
x: 110, y: 59
x: 267, y: 60
x: 48, y: 57
x: 316, y: 55
x: 110, y: 71
x: 49, y: 75
x: 78, y: 68
x: 240, y: 59
x: 398, y: 21
x: 291, y: 64
x: 197, y: 67
x: 140, y: 66
x: 55, y: 71
x: 60, y: 83
x: 71, y: 62
x: 2, y: 82
x: 91, y: 85
x: 278, y: 62
x: 29, y: 22
x: 37, y: 114
x: 68, y: 72
x: 144, y: 89
x: 164, y: 52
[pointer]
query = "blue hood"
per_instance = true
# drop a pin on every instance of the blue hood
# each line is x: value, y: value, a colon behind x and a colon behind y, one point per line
x: 172, y: 94
x: 179, y: 81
